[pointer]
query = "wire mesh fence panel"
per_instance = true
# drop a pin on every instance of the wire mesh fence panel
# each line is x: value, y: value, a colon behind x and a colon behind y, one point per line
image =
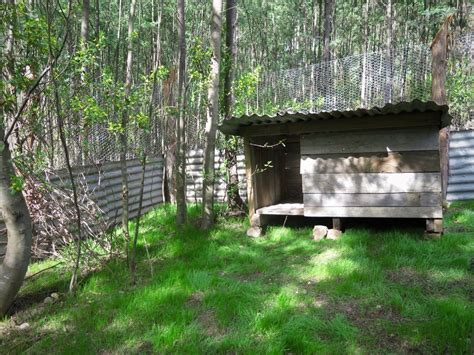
x: 360, y: 81
x: 365, y: 80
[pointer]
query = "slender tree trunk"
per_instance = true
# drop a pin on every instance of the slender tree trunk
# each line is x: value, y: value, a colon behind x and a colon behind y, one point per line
x: 133, y: 262
x: 62, y: 136
x: 439, y: 50
x: 124, y: 134
x: 85, y: 22
x: 212, y: 118
x: 83, y: 136
x: 234, y: 200
x: 363, y: 89
x: 328, y: 27
x: 180, y: 127
x: 320, y: 29
x: 119, y: 39
x: 389, y: 51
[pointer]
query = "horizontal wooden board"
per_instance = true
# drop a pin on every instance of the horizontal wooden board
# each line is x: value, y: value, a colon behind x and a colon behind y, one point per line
x: 408, y: 199
x: 375, y: 212
x: 372, y: 183
x: 283, y: 209
x: 393, y: 162
x: 380, y: 140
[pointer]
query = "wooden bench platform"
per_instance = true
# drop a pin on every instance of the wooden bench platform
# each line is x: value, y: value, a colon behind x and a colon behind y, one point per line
x: 283, y: 209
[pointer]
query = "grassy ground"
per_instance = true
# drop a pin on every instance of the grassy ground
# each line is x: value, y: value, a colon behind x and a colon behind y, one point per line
x: 375, y: 290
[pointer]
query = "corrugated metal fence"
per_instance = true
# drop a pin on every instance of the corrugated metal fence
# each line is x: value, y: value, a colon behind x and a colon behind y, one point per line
x: 461, y: 166
x: 103, y: 183
x: 194, y: 164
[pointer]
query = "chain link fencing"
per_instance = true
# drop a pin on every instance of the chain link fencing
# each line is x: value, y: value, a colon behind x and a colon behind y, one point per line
x: 360, y: 81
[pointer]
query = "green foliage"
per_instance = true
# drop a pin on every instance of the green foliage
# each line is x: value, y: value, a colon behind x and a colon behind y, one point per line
x: 16, y: 183
x: 90, y: 109
x: 199, y: 56
x: 115, y: 127
x: 245, y: 88
x: 460, y: 90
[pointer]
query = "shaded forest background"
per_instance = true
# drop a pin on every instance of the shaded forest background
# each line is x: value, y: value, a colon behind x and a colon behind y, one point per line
x: 87, y: 43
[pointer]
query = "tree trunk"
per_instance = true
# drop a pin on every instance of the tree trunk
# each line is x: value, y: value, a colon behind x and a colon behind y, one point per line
x: 180, y: 127
x: 18, y: 224
x: 234, y: 201
x: 62, y: 137
x: 363, y: 88
x: 123, y: 134
x: 212, y: 118
x: 13, y: 209
x: 389, y: 52
x: 83, y: 130
x: 439, y: 50
x: 328, y: 24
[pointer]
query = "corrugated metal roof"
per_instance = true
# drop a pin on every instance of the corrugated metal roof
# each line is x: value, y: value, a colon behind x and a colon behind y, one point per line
x: 233, y: 125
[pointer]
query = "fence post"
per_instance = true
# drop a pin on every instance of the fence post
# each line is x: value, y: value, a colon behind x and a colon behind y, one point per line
x: 439, y: 52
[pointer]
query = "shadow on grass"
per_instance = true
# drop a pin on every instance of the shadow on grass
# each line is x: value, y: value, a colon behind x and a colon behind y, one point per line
x: 377, y: 289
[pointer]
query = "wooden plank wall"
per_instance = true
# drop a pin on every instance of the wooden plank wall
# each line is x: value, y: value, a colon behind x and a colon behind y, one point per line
x: 373, y: 173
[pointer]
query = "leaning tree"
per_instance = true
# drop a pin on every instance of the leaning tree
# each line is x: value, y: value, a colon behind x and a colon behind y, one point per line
x: 13, y: 208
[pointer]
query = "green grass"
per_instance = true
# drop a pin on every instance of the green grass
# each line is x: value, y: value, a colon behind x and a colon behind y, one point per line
x: 373, y: 291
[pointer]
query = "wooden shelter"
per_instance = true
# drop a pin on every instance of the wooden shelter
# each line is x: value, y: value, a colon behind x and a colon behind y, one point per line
x: 375, y: 163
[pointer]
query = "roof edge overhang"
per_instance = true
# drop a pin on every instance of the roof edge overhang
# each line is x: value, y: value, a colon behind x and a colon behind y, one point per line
x: 237, y: 125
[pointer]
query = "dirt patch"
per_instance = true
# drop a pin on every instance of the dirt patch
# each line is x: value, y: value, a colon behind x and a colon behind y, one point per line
x: 372, y: 319
x: 408, y: 277
x: 250, y: 277
x: 206, y: 317
x: 369, y: 319
x: 209, y: 323
x: 457, y: 229
x: 195, y: 300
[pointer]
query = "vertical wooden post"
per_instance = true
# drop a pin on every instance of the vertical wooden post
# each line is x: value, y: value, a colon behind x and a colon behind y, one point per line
x: 337, y: 224
x: 255, y: 229
x: 439, y: 51
x: 434, y: 225
x: 248, y: 172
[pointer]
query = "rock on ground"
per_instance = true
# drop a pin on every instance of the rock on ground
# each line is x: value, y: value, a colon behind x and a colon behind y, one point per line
x: 334, y: 234
x: 23, y: 326
x: 48, y: 300
x: 254, y: 232
x: 319, y: 232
